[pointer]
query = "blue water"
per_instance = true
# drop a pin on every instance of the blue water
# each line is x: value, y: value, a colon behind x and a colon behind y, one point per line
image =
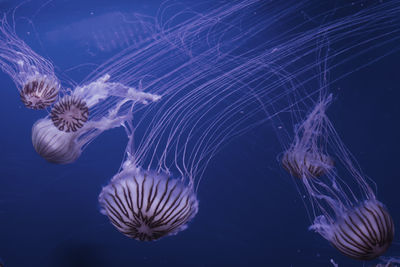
x: 250, y: 212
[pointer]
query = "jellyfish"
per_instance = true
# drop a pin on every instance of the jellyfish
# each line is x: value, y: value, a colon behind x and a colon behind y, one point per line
x: 302, y: 159
x: 76, y: 119
x: 154, y: 194
x: 147, y: 205
x: 363, y: 232
x: 32, y: 74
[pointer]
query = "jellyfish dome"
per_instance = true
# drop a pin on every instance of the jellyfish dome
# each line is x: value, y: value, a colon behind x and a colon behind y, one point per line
x: 39, y: 92
x: 364, y: 232
x: 147, y: 205
x: 55, y: 146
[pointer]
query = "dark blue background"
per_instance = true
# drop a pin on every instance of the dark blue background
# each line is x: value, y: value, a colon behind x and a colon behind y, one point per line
x: 250, y: 212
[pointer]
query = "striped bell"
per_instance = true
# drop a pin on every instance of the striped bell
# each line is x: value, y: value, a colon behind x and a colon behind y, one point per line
x: 148, y: 206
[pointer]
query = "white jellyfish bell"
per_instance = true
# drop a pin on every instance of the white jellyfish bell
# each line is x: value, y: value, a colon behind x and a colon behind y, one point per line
x: 33, y: 75
x: 80, y: 117
x: 54, y: 145
x: 147, y: 205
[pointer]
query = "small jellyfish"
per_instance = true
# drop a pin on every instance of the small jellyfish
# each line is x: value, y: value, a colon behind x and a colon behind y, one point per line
x: 304, y: 159
x: 303, y: 164
x: 363, y: 233
x: 147, y: 206
x: 32, y: 74
x: 69, y: 114
x: 39, y: 92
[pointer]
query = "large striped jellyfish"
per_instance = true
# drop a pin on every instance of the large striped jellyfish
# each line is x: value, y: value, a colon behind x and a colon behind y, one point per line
x: 83, y: 114
x: 32, y: 74
x: 147, y: 205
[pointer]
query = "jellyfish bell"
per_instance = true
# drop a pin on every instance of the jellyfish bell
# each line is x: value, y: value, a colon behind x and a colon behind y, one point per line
x: 39, y: 92
x: 304, y: 164
x: 54, y: 145
x: 69, y: 114
x: 364, y: 232
x: 147, y: 205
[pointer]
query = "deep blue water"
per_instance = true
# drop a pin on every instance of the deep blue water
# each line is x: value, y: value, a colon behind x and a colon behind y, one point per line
x: 250, y: 212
